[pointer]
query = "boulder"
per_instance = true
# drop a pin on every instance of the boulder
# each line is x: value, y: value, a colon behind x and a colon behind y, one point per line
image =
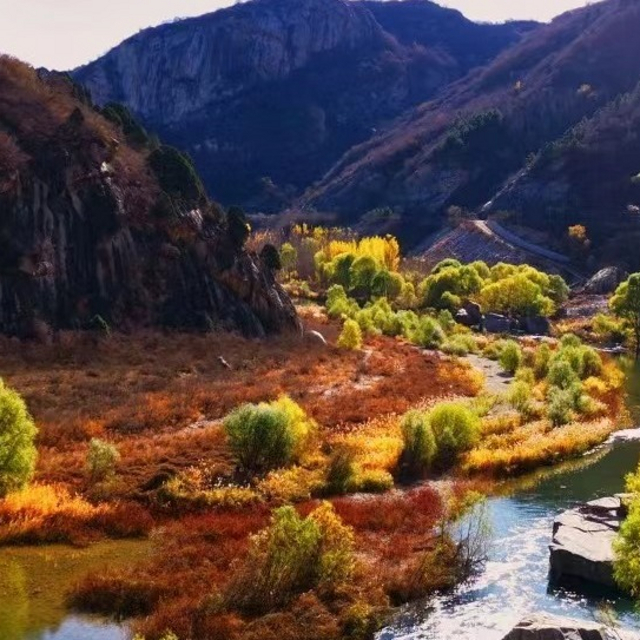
x: 605, y: 281
x: 474, y: 312
x: 494, y: 323
x: 547, y: 627
x: 315, y: 337
x: 582, y: 544
x: 463, y: 318
x: 536, y: 325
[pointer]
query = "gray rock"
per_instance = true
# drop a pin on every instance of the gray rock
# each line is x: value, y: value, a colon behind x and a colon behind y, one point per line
x: 474, y: 312
x: 605, y: 281
x: 315, y: 337
x: 463, y: 318
x: 547, y: 627
x: 582, y: 545
x: 536, y: 325
x: 494, y: 323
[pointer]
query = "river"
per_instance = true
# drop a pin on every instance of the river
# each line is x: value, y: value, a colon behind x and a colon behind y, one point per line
x: 514, y: 581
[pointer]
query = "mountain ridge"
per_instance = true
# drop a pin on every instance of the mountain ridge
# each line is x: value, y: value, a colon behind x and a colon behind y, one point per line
x: 267, y: 95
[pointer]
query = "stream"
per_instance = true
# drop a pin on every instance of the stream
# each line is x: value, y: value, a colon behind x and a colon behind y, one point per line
x: 514, y: 581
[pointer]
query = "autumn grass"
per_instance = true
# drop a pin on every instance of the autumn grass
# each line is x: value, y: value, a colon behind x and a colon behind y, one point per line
x: 534, y: 445
x: 48, y: 513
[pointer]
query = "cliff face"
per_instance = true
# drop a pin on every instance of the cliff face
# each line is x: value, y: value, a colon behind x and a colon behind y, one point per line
x: 266, y: 95
x: 88, y: 229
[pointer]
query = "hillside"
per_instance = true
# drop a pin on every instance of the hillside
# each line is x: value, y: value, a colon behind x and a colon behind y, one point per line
x: 267, y: 95
x: 98, y: 220
x: 460, y: 148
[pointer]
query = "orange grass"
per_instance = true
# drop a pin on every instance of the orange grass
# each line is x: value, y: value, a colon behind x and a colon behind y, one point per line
x: 48, y: 513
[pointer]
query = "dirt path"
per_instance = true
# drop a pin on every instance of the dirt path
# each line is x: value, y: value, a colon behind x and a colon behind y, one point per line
x: 496, y: 381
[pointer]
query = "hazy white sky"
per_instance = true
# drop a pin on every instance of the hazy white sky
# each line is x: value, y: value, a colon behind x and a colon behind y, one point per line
x: 62, y: 34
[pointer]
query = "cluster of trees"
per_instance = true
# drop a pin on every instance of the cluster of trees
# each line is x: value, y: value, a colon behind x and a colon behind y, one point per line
x: 503, y: 288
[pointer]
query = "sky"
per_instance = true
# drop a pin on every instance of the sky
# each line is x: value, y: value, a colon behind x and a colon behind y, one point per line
x: 63, y: 34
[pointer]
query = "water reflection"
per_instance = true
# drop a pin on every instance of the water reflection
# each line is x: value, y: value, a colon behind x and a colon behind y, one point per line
x: 34, y: 582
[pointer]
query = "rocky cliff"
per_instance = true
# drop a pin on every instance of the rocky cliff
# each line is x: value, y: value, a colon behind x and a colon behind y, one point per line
x: 266, y: 95
x: 95, y: 229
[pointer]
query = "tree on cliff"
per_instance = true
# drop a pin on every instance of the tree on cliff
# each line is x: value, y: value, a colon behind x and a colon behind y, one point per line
x: 17, y: 434
x: 625, y: 303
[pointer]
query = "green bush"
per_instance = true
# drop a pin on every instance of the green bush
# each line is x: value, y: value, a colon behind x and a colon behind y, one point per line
x: 627, y: 545
x: 176, y: 174
x: 340, y: 471
x: 560, y: 404
x: 456, y: 429
x: 351, y: 336
x: 541, y: 360
x: 419, y: 443
x: 292, y: 556
x: 102, y: 459
x: 460, y: 345
x: 267, y: 436
x: 510, y: 356
x: 562, y: 374
x: 17, y: 434
x: 428, y: 333
x: 520, y: 398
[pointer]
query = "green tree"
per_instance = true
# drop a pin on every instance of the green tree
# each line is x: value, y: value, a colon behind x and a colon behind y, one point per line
x: 17, y: 435
x: 288, y: 258
x: 625, y: 303
x: 351, y: 336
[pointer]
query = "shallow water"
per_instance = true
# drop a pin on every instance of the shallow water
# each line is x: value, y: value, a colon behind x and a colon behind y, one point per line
x: 514, y: 581
x: 34, y: 582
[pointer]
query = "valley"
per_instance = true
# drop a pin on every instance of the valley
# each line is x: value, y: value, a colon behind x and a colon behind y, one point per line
x: 320, y: 320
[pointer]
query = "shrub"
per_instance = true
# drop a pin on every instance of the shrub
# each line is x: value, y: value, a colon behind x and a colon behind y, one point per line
x: 351, y: 336
x: 609, y: 329
x: 446, y: 320
x: 456, y: 428
x: 340, y: 471
x: 419, y: 443
x: 460, y: 345
x: 520, y: 398
x: 291, y: 556
x: 527, y: 375
x: 372, y: 481
x: 428, y: 333
x: 562, y: 374
x: 362, y: 273
x: 102, y: 458
x: 263, y: 437
x: 510, y: 356
x: 560, y: 403
x: 541, y: 360
x: 176, y: 174
x: 17, y: 435
x: 271, y: 257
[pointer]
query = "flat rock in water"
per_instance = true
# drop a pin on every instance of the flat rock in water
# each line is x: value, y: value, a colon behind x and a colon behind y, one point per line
x: 582, y: 545
x: 547, y: 627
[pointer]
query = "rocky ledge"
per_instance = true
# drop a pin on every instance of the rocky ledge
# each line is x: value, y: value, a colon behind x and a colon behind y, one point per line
x: 582, y: 545
x: 546, y: 627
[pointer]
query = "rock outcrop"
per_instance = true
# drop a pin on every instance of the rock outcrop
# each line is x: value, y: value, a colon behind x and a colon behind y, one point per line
x: 605, y: 281
x: 267, y: 95
x: 547, y: 627
x: 93, y: 231
x: 582, y: 544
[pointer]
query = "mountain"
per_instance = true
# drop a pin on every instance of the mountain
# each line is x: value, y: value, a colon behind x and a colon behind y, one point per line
x: 267, y: 95
x: 460, y: 148
x: 99, y: 224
